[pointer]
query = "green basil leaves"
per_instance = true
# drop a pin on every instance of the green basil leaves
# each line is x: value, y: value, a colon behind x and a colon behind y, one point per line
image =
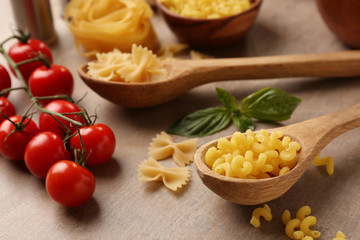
x: 268, y: 104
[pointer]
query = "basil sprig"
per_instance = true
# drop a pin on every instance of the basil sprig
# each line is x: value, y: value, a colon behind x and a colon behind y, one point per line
x: 268, y: 104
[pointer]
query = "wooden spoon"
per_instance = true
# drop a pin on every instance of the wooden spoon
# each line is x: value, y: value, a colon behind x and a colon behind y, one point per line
x: 313, y: 135
x: 186, y: 74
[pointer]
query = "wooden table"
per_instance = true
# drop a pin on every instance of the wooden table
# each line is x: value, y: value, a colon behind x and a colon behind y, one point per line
x: 125, y: 208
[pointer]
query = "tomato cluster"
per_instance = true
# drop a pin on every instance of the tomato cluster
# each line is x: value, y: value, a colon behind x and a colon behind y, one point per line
x: 56, y: 149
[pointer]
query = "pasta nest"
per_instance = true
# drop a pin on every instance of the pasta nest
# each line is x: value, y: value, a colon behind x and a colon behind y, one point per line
x: 102, y: 25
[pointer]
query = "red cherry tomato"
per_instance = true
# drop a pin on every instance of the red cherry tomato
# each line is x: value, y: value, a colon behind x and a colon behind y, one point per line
x: 56, y: 80
x: 6, y: 108
x: 69, y: 184
x: 22, y: 51
x: 5, y: 80
x: 13, y: 147
x: 48, y: 123
x: 99, y: 142
x: 43, y: 151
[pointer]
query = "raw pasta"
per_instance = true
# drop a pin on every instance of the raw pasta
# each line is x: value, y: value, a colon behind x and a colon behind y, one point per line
x: 163, y: 146
x: 250, y: 155
x: 339, y: 236
x: 207, y: 9
x: 102, y: 25
x: 299, y: 227
x: 328, y: 161
x: 173, y: 178
x: 169, y: 50
x: 264, y: 212
x: 139, y: 66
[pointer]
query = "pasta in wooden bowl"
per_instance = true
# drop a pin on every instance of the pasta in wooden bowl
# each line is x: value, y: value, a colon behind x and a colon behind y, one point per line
x: 210, y: 32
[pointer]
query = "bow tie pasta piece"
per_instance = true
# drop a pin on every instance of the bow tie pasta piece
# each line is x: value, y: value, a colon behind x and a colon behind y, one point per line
x: 163, y: 146
x: 173, y: 178
x: 102, y: 25
x: 139, y: 66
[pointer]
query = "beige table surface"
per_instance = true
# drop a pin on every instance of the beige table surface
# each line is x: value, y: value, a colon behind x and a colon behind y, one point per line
x: 124, y: 208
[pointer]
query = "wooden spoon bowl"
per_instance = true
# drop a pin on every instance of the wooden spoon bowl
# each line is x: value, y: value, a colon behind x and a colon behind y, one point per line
x: 208, y: 33
x: 186, y: 74
x: 313, y: 135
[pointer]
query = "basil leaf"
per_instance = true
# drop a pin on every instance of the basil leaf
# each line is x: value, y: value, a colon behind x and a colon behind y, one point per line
x: 202, y: 122
x: 270, y: 104
x: 226, y: 98
x: 243, y: 122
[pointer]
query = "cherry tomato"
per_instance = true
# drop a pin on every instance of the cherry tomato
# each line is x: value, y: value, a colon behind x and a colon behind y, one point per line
x: 13, y: 147
x: 5, y: 80
x: 48, y: 123
x: 56, y: 80
x: 69, y: 184
x: 6, y: 108
x: 22, y: 51
x: 43, y: 151
x: 99, y: 142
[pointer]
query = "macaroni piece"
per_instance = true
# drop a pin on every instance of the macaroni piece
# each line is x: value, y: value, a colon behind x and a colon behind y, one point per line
x: 307, y: 238
x: 207, y: 9
x: 173, y: 178
x: 290, y: 227
x: 264, y: 212
x: 139, y: 66
x: 303, y: 222
x: 286, y: 217
x: 250, y: 155
x: 303, y: 212
x: 102, y: 25
x: 339, y: 236
x: 163, y: 146
x: 328, y: 161
x: 306, y: 224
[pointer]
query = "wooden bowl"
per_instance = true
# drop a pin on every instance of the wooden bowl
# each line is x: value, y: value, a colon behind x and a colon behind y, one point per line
x: 209, y: 33
x: 343, y: 19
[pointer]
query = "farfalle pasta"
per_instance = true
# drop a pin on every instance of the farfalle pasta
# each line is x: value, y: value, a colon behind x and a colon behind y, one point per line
x: 163, y: 146
x: 141, y: 65
x: 253, y: 155
x: 102, y: 25
x: 173, y: 178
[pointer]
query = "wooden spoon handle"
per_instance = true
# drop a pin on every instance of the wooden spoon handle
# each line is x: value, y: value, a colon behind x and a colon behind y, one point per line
x: 319, y: 132
x: 335, y: 64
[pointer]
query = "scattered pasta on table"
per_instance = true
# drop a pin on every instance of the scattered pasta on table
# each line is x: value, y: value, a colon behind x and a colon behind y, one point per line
x: 328, y: 161
x: 264, y: 212
x: 173, y: 178
x: 163, y: 146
